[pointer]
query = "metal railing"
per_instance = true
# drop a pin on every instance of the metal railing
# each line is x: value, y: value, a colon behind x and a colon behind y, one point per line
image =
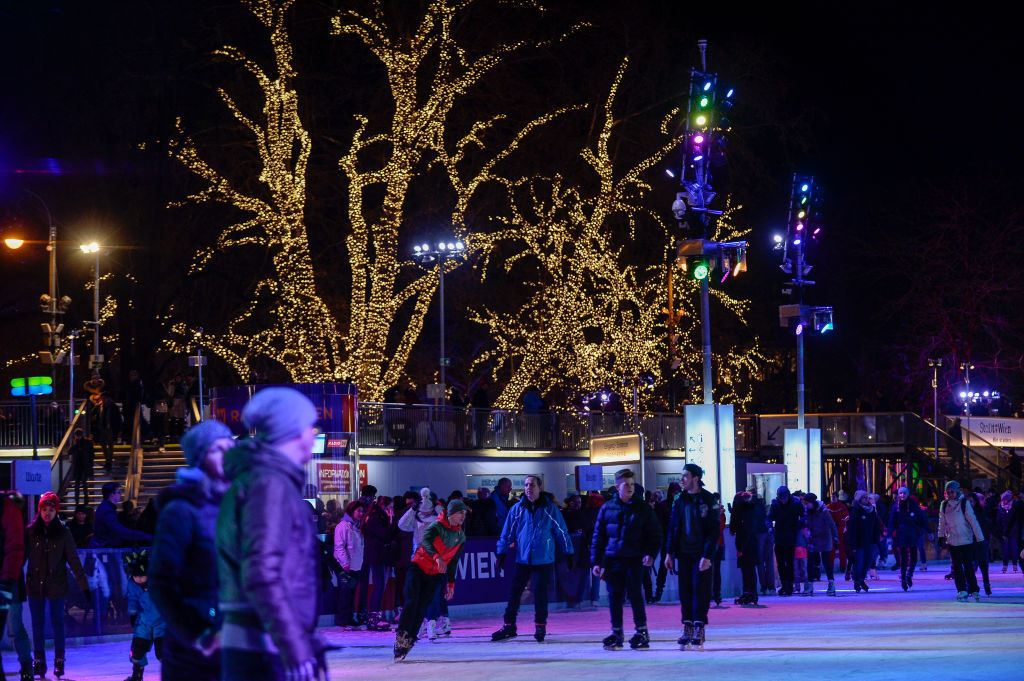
x: 966, y: 462
x: 16, y: 423
x: 133, y: 483
x: 60, y: 462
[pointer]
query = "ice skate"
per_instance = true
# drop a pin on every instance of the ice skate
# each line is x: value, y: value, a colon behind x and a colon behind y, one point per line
x: 403, y: 644
x: 831, y: 588
x: 684, y: 640
x: 613, y: 641
x: 39, y: 667
x: 1004, y: 569
x: 444, y: 626
x: 988, y: 592
x: 808, y: 589
x: 58, y: 667
x: 376, y: 622
x: 505, y: 633
x: 962, y: 596
x: 432, y: 630
x: 697, y: 642
x: 903, y: 582
x: 137, y: 670
x: 976, y: 596
x: 26, y: 672
x: 641, y: 640
x: 539, y: 632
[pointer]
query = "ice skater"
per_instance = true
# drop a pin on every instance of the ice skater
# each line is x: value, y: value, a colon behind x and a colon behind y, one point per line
x: 627, y: 536
x: 959, y: 529
x: 532, y: 528
x: 691, y: 544
x: 433, y: 565
x: 148, y: 626
x: 908, y: 523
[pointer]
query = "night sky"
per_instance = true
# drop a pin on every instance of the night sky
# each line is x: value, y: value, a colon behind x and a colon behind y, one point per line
x: 893, y: 110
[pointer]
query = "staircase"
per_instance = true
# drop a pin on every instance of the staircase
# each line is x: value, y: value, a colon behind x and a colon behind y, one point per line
x: 920, y: 434
x: 158, y: 472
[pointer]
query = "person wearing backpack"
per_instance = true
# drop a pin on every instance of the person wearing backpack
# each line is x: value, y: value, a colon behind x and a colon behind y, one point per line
x: 959, y: 530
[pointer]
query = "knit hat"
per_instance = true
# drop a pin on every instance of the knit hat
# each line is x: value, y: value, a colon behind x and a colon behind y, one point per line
x: 858, y: 494
x: 49, y: 499
x: 953, y: 485
x: 1006, y: 496
x: 279, y: 414
x: 903, y: 490
x: 199, y: 438
x: 456, y: 505
x: 843, y: 496
x: 695, y: 470
x: 782, y: 492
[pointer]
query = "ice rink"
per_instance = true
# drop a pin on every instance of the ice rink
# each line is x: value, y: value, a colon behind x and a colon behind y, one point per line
x: 923, y: 634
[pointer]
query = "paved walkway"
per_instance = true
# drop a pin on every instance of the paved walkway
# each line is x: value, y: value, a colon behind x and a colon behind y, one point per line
x: 924, y: 634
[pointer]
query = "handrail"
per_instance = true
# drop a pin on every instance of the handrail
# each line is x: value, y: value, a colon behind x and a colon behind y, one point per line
x: 67, y: 434
x: 133, y: 482
x: 971, y: 455
x: 196, y: 416
x: 57, y: 460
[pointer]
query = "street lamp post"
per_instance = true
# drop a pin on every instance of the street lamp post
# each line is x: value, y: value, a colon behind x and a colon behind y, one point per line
x: 935, y: 364
x: 97, y: 358
x: 424, y: 253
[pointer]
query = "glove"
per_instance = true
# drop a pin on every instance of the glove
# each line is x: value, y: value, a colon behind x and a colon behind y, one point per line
x: 501, y: 561
x: 310, y: 670
x: 570, y: 561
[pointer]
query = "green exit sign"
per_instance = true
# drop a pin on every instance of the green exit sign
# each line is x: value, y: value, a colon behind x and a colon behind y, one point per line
x: 33, y: 385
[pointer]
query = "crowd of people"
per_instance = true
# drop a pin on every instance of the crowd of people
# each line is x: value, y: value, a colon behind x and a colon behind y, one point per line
x: 216, y: 596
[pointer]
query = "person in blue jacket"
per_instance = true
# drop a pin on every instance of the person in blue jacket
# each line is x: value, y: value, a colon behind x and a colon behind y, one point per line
x: 532, y: 528
x: 148, y: 624
x: 183, y: 567
x: 108, y: 532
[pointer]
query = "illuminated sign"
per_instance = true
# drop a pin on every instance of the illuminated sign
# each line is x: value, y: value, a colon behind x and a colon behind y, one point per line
x: 802, y: 450
x: 617, y: 449
x: 711, y: 444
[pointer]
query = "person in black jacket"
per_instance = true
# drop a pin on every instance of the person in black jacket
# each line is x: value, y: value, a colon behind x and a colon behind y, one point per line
x: 692, y: 540
x: 183, y: 567
x: 747, y: 554
x: 626, y: 539
x: 83, y: 456
x: 787, y: 515
x: 863, y: 530
x: 907, y: 522
x: 378, y: 533
x: 51, y: 551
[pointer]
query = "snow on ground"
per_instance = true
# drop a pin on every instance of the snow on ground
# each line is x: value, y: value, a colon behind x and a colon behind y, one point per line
x: 924, y: 634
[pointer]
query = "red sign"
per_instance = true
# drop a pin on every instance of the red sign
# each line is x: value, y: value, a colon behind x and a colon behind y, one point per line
x: 335, y: 478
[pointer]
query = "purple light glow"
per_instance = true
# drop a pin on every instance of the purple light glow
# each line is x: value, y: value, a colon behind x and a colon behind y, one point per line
x: 699, y: 139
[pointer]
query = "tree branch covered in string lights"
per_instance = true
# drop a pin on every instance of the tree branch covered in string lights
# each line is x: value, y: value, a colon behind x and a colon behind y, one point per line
x: 592, y: 316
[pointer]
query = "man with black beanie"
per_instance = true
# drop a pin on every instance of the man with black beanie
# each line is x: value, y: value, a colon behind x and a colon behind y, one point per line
x: 787, y: 516
x: 691, y: 542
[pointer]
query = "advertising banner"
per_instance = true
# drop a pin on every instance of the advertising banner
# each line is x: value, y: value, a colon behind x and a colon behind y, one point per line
x: 335, y: 477
x: 1000, y: 432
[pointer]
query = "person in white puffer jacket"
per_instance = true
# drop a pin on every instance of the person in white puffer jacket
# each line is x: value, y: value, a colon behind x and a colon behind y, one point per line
x: 416, y: 520
x: 348, y: 551
x: 959, y: 529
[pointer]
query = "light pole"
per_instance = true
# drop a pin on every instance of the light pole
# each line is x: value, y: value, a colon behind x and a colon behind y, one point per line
x: 424, y: 254
x: 935, y: 364
x: 966, y: 368
x: 97, y: 359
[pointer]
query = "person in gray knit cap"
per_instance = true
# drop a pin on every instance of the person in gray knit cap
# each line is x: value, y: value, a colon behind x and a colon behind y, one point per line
x: 959, y: 529
x: 183, y: 565
x: 267, y: 554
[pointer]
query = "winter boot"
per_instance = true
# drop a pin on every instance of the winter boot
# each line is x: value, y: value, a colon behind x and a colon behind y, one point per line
x: 613, y: 641
x: 39, y: 667
x: 539, y: 632
x: 697, y: 642
x: 403, y: 644
x: 831, y: 588
x: 444, y: 626
x: 375, y: 622
x: 137, y: 670
x: 58, y: 666
x: 641, y: 640
x: 684, y: 640
x: 505, y: 633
